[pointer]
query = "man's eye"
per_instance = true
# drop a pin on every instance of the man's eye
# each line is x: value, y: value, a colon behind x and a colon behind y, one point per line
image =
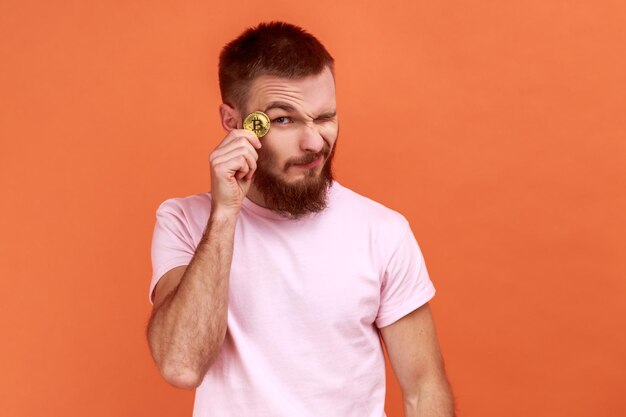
x: 281, y: 120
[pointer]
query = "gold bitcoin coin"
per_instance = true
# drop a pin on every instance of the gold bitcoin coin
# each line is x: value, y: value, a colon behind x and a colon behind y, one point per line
x: 258, y: 122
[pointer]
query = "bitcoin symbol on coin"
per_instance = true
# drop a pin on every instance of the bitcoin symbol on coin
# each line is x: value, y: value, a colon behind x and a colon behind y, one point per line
x: 257, y: 125
x: 258, y: 122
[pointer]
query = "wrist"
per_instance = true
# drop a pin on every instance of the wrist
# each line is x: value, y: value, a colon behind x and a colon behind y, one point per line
x: 223, y: 215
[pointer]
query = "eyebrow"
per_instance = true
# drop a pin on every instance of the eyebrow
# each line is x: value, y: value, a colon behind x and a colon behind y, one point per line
x: 290, y: 109
x: 327, y: 115
x: 280, y: 105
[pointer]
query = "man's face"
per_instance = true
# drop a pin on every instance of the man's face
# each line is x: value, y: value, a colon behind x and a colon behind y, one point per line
x: 294, y: 167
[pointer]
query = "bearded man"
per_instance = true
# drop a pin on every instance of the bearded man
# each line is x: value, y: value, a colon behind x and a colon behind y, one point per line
x: 274, y: 292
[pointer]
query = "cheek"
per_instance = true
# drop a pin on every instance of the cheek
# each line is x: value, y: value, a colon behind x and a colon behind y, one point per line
x: 329, y: 132
x: 269, y: 155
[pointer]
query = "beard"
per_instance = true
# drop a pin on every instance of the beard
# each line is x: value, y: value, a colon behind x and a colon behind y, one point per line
x: 298, y: 198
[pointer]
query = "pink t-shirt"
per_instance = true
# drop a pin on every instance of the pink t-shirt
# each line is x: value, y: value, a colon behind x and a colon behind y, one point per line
x: 305, y: 300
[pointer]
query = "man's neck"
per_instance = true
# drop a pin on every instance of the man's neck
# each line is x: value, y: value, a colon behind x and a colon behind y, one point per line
x: 256, y: 197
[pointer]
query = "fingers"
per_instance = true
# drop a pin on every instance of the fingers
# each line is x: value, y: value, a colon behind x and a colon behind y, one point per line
x: 233, y: 162
x: 241, y: 133
x: 240, y: 143
x: 238, y: 152
x: 239, y: 161
x: 225, y: 169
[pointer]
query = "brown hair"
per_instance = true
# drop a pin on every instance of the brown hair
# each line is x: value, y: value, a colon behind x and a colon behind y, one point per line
x: 275, y: 48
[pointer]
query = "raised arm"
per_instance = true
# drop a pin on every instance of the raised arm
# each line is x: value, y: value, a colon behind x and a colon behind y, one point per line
x: 188, y: 323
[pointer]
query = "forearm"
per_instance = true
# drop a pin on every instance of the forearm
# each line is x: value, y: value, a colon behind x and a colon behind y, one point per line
x: 434, y: 399
x: 188, y: 329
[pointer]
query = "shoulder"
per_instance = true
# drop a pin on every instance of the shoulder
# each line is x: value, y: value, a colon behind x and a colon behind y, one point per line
x: 376, y: 215
x: 192, y: 211
x: 187, y: 204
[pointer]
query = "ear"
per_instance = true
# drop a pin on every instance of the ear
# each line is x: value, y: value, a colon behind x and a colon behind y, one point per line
x: 230, y: 117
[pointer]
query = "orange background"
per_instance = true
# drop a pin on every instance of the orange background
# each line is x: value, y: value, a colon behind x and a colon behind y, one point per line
x: 497, y: 128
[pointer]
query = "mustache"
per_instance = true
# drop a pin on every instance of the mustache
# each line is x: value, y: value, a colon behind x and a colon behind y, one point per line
x: 311, y: 157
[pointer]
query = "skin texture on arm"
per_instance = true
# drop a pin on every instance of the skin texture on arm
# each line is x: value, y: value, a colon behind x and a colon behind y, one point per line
x: 189, y: 319
x: 417, y: 363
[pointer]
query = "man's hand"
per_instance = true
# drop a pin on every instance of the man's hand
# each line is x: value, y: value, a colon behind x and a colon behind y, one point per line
x: 233, y: 163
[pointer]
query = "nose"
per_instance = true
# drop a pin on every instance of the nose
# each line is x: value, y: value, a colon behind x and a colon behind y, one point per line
x: 312, y: 140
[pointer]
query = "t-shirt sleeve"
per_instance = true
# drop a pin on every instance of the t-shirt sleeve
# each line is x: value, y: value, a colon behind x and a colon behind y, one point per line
x: 406, y: 284
x: 172, y: 244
